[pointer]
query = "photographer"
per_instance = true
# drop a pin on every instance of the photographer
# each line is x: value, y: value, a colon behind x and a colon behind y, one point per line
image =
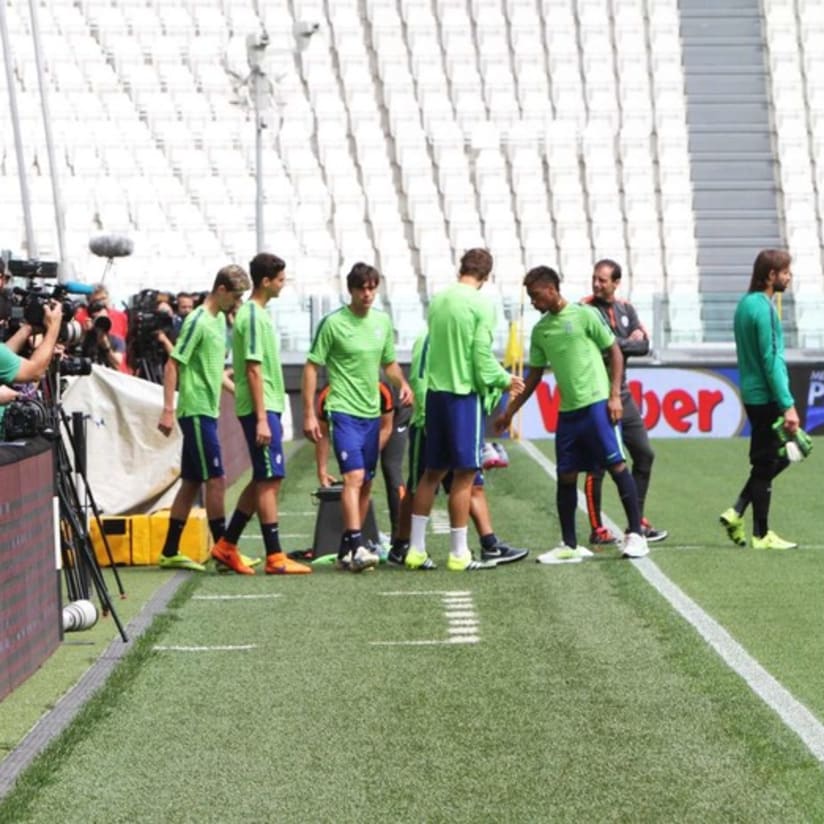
x: 100, y: 344
x: 17, y: 369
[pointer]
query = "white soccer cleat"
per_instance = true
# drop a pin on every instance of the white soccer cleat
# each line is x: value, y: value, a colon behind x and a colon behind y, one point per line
x: 635, y: 546
x: 563, y: 554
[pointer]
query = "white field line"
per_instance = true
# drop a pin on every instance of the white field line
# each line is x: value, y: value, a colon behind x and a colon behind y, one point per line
x: 444, y: 593
x: 461, y: 619
x: 439, y: 520
x: 216, y: 648
x: 261, y: 596
x: 791, y: 711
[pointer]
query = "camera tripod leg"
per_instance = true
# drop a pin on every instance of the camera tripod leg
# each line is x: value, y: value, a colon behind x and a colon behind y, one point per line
x: 75, y: 437
x: 83, y: 559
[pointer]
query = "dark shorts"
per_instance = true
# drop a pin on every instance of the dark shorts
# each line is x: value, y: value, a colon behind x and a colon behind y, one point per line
x: 586, y: 439
x: 454, y: 431
x: 417, y: 464
x: 356, y: 442
x: 200, y: 457
x: 268, y: 462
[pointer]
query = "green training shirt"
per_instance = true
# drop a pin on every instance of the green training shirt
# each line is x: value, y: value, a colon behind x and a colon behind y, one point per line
x: 353, y: 349
x: 759, y: 346
x: 571, y: 343
x: 254, y: 338
x: 9, y: 367
x: 417, y: 380
x: 460, y: 358
x: 200, y: 351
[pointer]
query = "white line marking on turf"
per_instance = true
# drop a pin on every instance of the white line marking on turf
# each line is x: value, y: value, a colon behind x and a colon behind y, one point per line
x: 440, y: 521
x: 217, y: 648
x: 445, y: 594
x: 461, y: 619
x: 237, y: 597
x: 791, y: 711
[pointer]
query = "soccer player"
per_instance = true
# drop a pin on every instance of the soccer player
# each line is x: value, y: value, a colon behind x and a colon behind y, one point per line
x: 571, y: 338
x: 353, y: 343
x: 464, y: 382
x: 197, y: 361
x: 493, y: 550
x: 259, y: 402
x: 632, y: 339
x: 765, y: 391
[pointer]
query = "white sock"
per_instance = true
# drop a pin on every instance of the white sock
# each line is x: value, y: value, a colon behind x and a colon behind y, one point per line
x: 457, y: 542
x: 417, y: 537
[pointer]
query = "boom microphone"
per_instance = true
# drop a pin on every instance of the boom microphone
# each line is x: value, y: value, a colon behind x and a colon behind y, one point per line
x: 111, y: 246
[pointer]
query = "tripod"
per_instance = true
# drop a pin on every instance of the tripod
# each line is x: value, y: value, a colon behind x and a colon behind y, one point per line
x: 80, y: 565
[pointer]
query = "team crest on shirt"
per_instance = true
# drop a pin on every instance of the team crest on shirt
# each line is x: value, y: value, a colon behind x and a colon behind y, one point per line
x: 378, y: 333
x: 568, y: 327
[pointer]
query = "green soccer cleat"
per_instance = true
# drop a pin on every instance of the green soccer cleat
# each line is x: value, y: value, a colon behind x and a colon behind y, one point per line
x: 416, y: 559
x: 467, y: 564
x: 734, y: 524
x: 771, y: 541
x: 563, y: 554
x: 180, y: 561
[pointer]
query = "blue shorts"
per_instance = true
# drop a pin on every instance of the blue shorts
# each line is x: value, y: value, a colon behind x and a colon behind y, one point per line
x: 454, y: 431
x: 587, y: 439
x: 417, y: 466
x: 356, y: 442
x: 268, y: 462
x: 200, y: 458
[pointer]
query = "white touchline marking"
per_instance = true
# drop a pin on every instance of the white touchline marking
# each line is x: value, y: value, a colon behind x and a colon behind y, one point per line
x: 237, y: 597
x: 464, y: 639
x: 440, y: 521
x: 424, y: 592
x: 791, y: 711
x: 218, y: 648
x: 461, y: 619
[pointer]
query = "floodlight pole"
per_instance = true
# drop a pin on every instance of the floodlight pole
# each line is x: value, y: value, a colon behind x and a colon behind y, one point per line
x: 31, y: 243
x: 59, y: 215
x: 255, y: 48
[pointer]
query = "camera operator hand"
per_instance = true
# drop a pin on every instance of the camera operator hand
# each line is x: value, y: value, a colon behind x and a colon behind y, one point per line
x: 164, y: 341
x: 34, y: 367
x: 52, y: 315
x: 7, y: 395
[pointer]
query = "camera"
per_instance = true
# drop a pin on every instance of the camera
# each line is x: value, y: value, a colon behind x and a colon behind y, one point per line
x: 27, y: 304
x: 70, y: 366
x: 25, y: 418
x: 32, y: 268
x: 145, y: 352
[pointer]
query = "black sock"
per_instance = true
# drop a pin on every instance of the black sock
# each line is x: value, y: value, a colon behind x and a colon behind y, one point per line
x: 217, y: 526
x: 236, y: 526
x: 399, y: 546
x: 349, y: 542
x: 488, y: 541
x: 761, y: 491
x: 170, y: 547
x: 271, y: 538
x: 567, y: 500
x: 629, y: 499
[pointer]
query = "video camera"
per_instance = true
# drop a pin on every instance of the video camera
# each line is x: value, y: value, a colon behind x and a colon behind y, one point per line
x: 145, y: 352
x: 27, y: 304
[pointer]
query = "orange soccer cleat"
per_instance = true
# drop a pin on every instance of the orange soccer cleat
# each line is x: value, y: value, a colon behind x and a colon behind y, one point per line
x: 281, y: 564
x: 225, y: 553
